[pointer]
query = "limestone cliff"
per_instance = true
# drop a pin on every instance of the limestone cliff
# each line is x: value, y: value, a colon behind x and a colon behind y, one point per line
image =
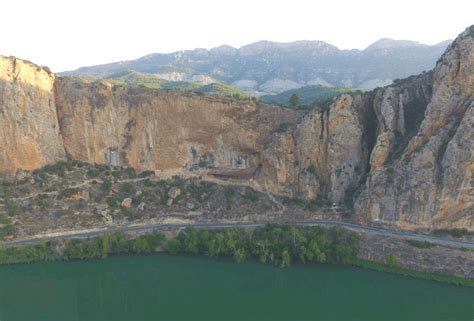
x: 428, y: 181
x: 171, y: 131
x: 164, y: 130
x: 401, y: 154
x: 29, y: 131
x: 325, y: 154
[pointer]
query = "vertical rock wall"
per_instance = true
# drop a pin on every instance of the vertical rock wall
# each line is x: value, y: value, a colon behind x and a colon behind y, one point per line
x: 29, y: 130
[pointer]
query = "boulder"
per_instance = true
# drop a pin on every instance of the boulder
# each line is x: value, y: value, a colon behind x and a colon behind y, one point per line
x: 141, y: 206
x: 174, y: 192
x: 127, y: 202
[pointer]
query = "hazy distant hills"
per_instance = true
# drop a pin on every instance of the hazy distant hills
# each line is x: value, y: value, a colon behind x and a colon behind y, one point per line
x: 267, y: 67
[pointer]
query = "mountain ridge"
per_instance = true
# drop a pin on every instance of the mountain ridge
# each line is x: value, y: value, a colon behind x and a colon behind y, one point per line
x: 267, y: 67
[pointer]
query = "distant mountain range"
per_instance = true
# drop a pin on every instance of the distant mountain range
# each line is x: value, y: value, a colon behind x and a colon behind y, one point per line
x: 266, y: 67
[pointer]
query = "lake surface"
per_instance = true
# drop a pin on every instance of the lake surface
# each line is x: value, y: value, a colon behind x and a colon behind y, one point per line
x: 162, y: 287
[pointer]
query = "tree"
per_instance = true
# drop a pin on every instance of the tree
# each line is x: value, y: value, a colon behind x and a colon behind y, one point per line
x: 391, y: 260
x: 294, y: 100
x: 285, y: 258
x: 173, y: 246
x: 239, y: 254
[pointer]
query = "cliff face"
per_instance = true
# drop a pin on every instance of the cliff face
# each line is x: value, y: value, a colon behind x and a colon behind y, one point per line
x: 29, y: 131
x: 430, y: 182
x: 401, y: 154
x: 282, y: 150
x: 164, y: 130
x: 323, y: 155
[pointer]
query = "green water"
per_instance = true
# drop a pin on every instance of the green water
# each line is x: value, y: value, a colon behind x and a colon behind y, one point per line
x: 161, y: 287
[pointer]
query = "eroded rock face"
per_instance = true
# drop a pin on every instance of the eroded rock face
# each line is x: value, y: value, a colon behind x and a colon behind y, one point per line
x: 324, y: 155
x: 29, y: 130
x: 401, y: 154
x: 165, y: 130
x: 169, y: 131
x: 430, y: 182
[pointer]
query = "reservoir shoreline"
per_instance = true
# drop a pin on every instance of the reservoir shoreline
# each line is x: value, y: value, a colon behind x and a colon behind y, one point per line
x: 98, y: 247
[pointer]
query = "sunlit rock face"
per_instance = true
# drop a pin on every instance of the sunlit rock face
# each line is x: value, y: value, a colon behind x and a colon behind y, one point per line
x: 29, y: 131
x: 402, y: 154
x: 165, y: 130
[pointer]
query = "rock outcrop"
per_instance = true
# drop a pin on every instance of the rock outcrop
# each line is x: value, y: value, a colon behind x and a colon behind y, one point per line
x: 165, y: 130
x: 429, y: 180
x: 401, y: 154
x: 283, y: 150
x: 29, y: 130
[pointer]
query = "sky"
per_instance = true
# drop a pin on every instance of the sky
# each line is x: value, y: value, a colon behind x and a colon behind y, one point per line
x: 65, y: 35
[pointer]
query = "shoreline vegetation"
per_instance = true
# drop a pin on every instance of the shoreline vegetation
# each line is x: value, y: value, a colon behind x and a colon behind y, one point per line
x: 279, y: 245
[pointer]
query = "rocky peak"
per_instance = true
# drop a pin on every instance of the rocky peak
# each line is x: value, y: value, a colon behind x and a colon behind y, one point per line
x: 223, y: 50
x: 387, y: 44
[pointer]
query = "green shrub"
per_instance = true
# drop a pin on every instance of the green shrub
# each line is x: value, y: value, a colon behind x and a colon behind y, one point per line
x: 293, y: 201
x: 59, y: 168
x: 138, y: 199
x: 130, y: 172
x: 59, y: 212
x: 294, y: 100
x: 146, y: 174
x: 251, y: 195
x: 311, y: 169
x: 164, y: 198
x: 42, y: 202
x: 391, y: 260
x: 320, y: 202
x: 67, y: 192
x: 420, y: 244
x: 12, y: 207
x: 229, y: 192
x: 455, y: 232
x: 282, y: 128
x: 117, y: 174
x: 349, y: 195
x: 93, y: 172
x: 126, y: 189
x: 113, y: 202
x: 177, y: 181
x: 130, y: 214
x: 106, y: 185
x: 390, y: 175
x: 7, y: 230
x: 441, y: 152
x: 4, y: 220
x: 148, y: 183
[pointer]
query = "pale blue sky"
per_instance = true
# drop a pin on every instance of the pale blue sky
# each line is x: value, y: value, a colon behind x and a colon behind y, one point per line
x: 65, y: 35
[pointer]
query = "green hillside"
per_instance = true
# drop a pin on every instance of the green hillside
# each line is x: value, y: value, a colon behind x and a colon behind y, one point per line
x: 307, y: 95
x: 137, y: 79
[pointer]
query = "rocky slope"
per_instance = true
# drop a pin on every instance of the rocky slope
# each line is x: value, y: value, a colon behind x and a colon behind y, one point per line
x: 267, y: 67
x: 402, y: 154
